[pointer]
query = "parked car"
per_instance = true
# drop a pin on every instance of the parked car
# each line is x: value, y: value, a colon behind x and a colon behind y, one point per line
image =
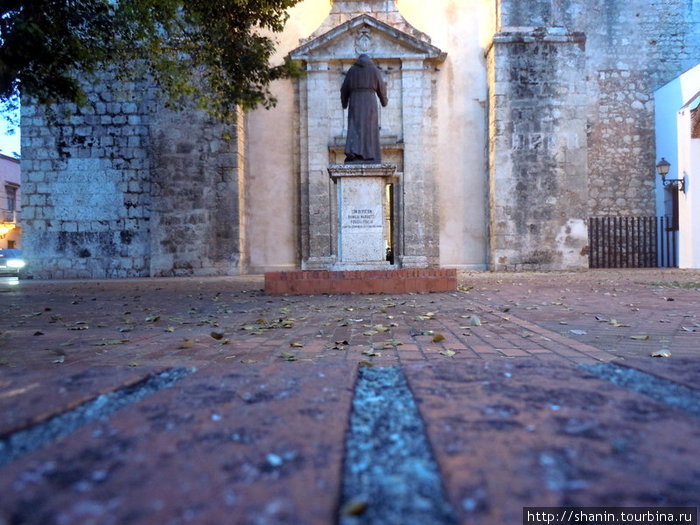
x: 11, y: 262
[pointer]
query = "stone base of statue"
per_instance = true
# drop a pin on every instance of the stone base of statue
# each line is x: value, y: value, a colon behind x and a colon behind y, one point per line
x: 363, y: 215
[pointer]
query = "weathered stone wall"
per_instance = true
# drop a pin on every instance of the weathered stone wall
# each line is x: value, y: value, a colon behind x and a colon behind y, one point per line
x: 633, y: 48
x: 195, y: 177
x: 124, y: 188
x: 630, y: 49
x: 86, y: 182
x: 538, y: 183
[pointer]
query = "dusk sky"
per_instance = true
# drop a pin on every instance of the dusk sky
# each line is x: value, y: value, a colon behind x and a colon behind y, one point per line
x: 9, y: 142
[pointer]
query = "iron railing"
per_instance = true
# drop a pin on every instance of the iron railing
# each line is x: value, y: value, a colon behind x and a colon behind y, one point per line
x: 632, y: 242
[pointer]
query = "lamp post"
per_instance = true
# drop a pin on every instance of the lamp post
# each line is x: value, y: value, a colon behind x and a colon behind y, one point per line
x: 662, y: 169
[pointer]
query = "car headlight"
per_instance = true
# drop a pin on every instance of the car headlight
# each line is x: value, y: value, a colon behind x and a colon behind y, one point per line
x: 15, y: 263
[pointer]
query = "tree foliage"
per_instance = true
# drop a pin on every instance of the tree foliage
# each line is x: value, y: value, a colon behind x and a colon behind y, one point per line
x: 216, y: 51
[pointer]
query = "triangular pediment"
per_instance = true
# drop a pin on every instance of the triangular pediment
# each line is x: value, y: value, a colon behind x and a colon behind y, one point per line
x: 366, y: 34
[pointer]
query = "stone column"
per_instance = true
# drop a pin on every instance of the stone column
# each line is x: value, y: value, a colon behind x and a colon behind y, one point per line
x: 420, y: 235
x: 316, y: 201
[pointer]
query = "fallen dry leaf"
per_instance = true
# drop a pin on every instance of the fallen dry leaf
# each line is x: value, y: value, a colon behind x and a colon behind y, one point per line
x: 355, y: 507
x: 112, y: 342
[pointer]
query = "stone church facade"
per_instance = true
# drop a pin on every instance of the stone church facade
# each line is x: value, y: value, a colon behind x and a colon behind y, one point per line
x: 510, y: 124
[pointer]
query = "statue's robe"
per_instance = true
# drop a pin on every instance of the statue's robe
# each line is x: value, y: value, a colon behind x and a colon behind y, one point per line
x: 362, y: 84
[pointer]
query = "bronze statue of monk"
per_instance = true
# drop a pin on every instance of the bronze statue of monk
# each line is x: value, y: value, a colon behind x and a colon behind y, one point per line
x: 362, y: 84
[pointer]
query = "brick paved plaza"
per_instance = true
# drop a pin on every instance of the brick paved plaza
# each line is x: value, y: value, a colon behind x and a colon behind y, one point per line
x: 253, y: 430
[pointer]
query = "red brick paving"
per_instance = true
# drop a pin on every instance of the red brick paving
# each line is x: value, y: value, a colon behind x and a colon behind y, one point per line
x: 254, y: 444
x: 511, y: 433
x: 29, y: 397
x: 104, y: 335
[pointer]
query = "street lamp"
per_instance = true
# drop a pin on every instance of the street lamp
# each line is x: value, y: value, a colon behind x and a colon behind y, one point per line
x: 662, y: 169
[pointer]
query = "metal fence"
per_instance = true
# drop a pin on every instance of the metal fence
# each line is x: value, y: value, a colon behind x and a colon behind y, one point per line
x: 632, y: 242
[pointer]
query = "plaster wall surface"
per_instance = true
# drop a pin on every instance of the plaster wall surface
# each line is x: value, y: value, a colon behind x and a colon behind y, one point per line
x: 272, y: 201
x: 674, y: 142
x: 689, y: 171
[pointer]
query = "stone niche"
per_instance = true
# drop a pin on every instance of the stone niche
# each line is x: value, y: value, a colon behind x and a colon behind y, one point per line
x: 409, y: 64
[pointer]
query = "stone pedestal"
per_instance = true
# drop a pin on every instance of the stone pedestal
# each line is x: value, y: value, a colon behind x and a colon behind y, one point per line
x: 363, y: 216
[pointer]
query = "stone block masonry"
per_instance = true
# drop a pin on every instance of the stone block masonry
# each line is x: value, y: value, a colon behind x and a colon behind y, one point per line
x: 86, y: 212
x: 123, y: 187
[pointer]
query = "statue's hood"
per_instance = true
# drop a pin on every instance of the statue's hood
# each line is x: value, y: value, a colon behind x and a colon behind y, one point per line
x: 364, y: 60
